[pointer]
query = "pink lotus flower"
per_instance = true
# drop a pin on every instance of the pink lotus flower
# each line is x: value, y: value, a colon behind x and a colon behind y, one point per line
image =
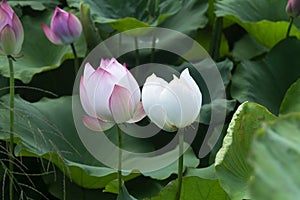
x: 293, y: 8
x: 172, y: 105
x: 65, y: 28
x: 109, y: 95
x: 11, y: 31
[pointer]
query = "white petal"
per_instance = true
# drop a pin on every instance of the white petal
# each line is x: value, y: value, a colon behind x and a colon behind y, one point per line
x: 185, y: 75
x: 151, y: 91
x: 180, y: 103
x: 158, y: 116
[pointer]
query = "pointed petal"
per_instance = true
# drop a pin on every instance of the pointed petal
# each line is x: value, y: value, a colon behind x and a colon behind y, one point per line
x: 4, y: 18
x: 84, y: 99
x: 105, y: 62
x: 185, y: 75
x: 180, y: 103
x: 88, y: 71
x: 51, y: 35
x: 115, y: 68
x: 151, y: 91
x: 101, y: 84
x: 130, y: 83
x: 96, y: 124
x: 19, y: 32
x: 5, y: 6
x: 8, y: 39
x: 59, y: 25
x: 120, y: 104
x: 75, y: 26
x: 138, y: 115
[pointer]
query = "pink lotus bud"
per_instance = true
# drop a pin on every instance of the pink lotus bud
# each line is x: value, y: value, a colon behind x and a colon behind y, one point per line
x: 109, y: 95
x: 172, y: 105
x: 293, y: 8
x: 65, y: 28
x: 11, y: 31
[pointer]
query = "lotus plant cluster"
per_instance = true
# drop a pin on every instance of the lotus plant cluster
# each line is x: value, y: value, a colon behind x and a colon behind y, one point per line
x: 65, y: 28
x: 110, y: 95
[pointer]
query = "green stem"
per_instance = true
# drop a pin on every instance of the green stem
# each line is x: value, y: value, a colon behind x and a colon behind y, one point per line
x: 290, y: 27
x: 120, y: 159
x: 180, y: 165
x: 137, y: 53
x: 11, y: 122
x: 216, y: 38
x: 76, y: 63
x: 153, y: 49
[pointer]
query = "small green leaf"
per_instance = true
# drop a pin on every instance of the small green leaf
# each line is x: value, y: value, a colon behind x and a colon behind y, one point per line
x: 218, y: 105
x: 247, y: 48
x: 205, y: 173
x: 291, y: 101
x: 124, y: 195
x: 36, y: 4
x: 193, y: 188
x: 190, y: 160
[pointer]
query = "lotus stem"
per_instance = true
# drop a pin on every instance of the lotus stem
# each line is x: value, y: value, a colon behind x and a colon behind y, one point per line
x: 180, y: 165
x: 120, y: 159
x: 216, y: 38
x: 290, y: 27
x: 137, y: 53
x: 76, y: 63
x: 11, y: 122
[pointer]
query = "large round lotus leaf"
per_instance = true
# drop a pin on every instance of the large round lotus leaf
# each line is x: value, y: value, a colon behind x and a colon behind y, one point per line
x: 275, y: 158
x: 266, y: 81
x: 46, y: 130
x: 268, y: 26
x: 232, y: 168
x: 125, y: 15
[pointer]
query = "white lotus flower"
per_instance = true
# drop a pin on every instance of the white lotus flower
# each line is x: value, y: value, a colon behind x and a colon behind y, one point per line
x: 172, y: 105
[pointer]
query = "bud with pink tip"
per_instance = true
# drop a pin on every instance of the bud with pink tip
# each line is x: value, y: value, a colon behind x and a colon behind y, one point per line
x: 65, y: 28
x: 11, y: 31
x: 293, y: 8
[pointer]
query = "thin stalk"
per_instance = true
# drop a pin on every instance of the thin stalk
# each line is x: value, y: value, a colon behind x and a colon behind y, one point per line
x: 11, y: 122
x: 137, y: 53
x: 180, y: 165
x: 120, y: 159
x: 153, y: 49
x: 216, y: 38
x: 76, y: 63
x: 290, y: 27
